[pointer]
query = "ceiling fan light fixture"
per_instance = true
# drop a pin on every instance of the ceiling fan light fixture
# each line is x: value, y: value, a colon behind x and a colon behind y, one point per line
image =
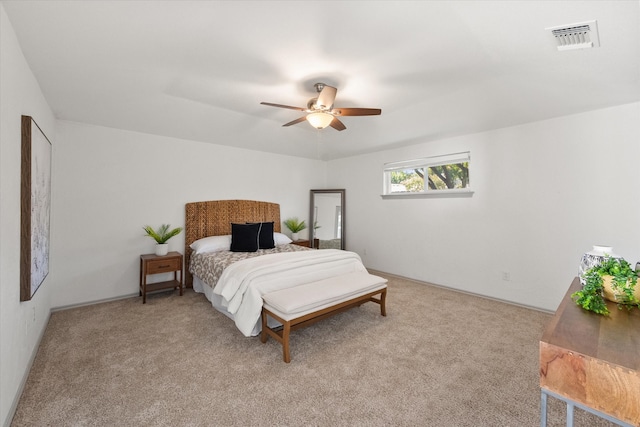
x: 319, y: 120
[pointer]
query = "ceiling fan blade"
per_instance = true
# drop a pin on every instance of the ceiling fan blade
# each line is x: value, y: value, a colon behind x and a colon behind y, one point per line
x: 296, y: 121
x: 357, y: 111
x: 337, y: 124
x: 326, y: 98
x: 283, y: 106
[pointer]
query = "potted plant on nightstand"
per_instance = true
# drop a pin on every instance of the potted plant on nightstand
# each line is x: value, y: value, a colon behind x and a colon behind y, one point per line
x: 295, y: 226
x: 613, y: 280
x: 161, y: 237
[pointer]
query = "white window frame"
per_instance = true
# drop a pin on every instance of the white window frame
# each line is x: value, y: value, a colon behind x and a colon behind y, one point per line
x: 424, y: 163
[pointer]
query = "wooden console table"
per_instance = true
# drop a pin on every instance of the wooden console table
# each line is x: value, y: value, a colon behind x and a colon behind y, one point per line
x: 592, y: 362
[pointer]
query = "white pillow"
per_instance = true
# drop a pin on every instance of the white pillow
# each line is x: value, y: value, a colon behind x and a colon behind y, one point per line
x: 281, y: 239
x: 212, y: 244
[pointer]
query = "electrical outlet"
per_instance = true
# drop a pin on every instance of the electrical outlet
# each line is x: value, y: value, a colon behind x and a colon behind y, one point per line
x: 506, y: 276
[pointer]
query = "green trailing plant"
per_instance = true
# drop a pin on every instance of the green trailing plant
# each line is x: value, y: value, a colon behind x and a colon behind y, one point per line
x: 163, y: 234
x: 294, y: 224
x: 624, y: 281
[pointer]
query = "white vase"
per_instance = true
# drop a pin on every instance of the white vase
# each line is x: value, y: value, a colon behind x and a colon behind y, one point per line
x: 162, y: 249
x: 294, y: 236
x: 594, y: 258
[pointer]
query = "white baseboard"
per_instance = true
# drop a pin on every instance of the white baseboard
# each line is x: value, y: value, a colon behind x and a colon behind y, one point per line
x: 84, y: 304
x: 25, y: 376
x: 530, y: 307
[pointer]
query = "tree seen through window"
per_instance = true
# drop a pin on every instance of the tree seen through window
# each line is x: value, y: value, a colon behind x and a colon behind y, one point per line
x: 449, y: 176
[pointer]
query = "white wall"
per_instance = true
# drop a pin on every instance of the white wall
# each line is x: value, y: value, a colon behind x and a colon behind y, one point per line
x: 545, y: 192
x: 108, y: 183
x: 541, y: 200
x: 21, y: 323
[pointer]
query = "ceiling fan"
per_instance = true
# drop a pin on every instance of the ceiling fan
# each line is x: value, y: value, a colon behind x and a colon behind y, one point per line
x: 320, y: 111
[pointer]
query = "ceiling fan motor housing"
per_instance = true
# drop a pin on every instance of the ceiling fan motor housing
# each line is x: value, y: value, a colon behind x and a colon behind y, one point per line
x: 311, y: 105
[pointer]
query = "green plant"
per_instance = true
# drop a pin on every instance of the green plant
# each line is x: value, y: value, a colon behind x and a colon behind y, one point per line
x: 294, y: 224
x: 163, y: 234
x: 624, y: 280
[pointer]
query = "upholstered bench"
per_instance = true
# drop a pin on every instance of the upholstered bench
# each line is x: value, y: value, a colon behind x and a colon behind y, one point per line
x: 301, y: 306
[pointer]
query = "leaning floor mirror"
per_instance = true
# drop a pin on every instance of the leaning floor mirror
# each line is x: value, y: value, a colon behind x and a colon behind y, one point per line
x: 326, y: 219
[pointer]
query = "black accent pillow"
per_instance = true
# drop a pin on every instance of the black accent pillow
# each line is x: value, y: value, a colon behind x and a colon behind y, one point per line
x: 265, y: 238
x: 244, y: 237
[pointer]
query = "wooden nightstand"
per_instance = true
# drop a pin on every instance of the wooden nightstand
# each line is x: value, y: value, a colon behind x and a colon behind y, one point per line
x: 316, y: 243
x: 154, y: 264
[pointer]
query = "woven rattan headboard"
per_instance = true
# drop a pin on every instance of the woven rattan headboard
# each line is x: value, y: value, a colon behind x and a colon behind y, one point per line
x: 214, y: 218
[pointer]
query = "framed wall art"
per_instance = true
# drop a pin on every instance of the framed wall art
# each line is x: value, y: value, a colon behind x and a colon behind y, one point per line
x: 35, y: 208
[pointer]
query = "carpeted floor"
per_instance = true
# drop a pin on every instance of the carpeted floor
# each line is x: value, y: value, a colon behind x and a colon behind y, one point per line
x: 439, y: 358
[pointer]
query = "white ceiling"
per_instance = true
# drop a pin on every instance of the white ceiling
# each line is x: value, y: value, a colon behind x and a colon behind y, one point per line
x: 199, y: 69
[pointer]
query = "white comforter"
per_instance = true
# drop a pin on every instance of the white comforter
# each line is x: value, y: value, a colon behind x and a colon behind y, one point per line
x: 242, y: 284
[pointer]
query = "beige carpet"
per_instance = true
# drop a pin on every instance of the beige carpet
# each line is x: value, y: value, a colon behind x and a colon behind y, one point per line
x: 439, y: 358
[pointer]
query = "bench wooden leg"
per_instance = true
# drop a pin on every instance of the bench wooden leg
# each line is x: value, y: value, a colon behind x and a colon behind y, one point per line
x: 383, y: 301
x: 263, y: 332
x: 286, y: 331
x: 282, y: 336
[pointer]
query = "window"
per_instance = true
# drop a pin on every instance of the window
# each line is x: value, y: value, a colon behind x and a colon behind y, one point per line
x: 428, y: 176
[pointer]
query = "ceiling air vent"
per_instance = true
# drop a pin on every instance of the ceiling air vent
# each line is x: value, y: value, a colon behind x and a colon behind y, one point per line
x: 576, y: 36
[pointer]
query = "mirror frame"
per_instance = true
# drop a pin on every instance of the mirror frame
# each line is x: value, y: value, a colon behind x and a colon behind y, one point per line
x: 312, y: 194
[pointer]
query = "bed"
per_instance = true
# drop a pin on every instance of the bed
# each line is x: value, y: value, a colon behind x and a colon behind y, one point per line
x: 235, y: 282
